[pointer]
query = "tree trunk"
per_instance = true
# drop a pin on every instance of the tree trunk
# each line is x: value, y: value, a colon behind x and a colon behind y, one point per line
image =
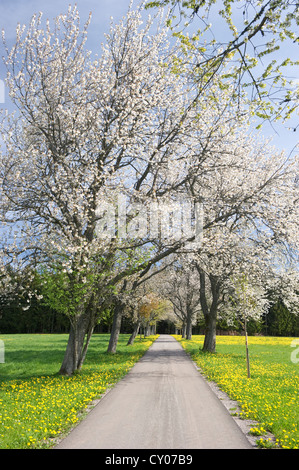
x: 75, y: 350
x: 210, y: 314
x: 189, y: 329
x: 189, y: 325
x: 135, y: 333
x: 81, y: 331
x: 210, y: 333
x: 147, y: 330
x: 115, y: 328
x: 84, y: 350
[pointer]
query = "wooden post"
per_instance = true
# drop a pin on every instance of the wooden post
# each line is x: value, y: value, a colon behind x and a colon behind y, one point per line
x: 247, y: 352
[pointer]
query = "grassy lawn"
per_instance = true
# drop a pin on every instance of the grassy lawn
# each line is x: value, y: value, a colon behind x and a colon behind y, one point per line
x: 36, y: 404
x: 270, y: 396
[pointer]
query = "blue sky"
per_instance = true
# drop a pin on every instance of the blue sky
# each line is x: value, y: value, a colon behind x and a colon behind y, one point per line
x: 13, y: 12
x: 21, y: 11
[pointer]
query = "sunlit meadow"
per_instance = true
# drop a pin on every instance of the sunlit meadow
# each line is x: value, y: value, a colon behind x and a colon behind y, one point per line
x: 269, y: 396
x: 36, y: 404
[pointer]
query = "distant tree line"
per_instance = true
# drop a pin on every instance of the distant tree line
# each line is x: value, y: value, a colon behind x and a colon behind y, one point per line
x: 40, y: 318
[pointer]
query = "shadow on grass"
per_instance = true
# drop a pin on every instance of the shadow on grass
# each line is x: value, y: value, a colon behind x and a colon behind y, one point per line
x: 44, y: 355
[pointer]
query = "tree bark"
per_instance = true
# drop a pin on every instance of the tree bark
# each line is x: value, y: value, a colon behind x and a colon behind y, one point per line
x: 147, y: 330
x: 76, y: 350
x: 209, y: 344
x: 189, y: 325
x: 84, y: 350
x: 135, y: 332
x: 80, y: 334
x: 184, y: 330
x: 210, y: 313
x: 115, y: 330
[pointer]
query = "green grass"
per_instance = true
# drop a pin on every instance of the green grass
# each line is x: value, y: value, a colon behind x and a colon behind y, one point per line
x: 36, y: 404
x: 270, y: 396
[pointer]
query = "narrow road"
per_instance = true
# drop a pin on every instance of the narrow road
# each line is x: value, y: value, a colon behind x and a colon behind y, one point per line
x: 162, y: 403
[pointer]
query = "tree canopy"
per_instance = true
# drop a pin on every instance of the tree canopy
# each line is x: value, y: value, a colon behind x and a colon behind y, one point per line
x: 252, y: 43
